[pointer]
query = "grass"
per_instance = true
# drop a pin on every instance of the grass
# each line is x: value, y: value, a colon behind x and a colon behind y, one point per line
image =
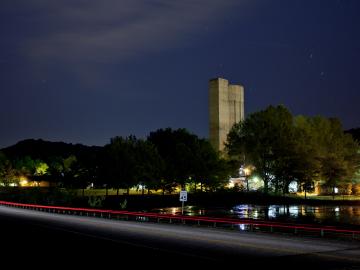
x: 326, y: 197
x: 336, y: 197
x: 102, y: 192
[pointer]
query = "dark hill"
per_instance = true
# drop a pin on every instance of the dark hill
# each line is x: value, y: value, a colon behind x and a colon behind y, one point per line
x: 45, y: 150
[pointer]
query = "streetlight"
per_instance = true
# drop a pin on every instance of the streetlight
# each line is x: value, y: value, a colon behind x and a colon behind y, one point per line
x: 247, y: 172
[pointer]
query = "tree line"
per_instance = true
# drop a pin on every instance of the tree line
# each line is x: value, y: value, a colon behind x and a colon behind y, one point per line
x: 280, y: 148
x: 164, y: 160
x: 283, y: 148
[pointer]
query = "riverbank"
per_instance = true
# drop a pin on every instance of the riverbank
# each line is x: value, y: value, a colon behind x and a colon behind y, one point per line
x: 147, y: 202
x: 226, y: 199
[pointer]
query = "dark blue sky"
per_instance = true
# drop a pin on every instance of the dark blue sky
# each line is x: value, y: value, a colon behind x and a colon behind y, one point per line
x: 83, y: 71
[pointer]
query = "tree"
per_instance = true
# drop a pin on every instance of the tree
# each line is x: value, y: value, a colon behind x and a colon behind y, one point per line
x: 356, y: 183
x: 177, y: 148
x: 339, y: 154
x: 264, y: 140
x: 307, y: 152
x: 56, y: 169
x: 209, y: 168
x: 29, y: 168
x: 87, y: 168
x: 7, y: 172
x: 149, y: 165
x: 120, y: 163
x: 25, y: 166
x: 70, y: 170
x: 283, y: 149
x: 41, y: 168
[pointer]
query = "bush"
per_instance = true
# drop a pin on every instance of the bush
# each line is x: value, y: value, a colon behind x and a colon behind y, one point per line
x: 356, y: 189
x: 96, y: 201
x: 345, y: 189
x: 123, y: 204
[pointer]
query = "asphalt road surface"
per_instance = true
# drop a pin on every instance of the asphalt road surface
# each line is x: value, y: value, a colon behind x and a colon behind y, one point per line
x: 54, y: 241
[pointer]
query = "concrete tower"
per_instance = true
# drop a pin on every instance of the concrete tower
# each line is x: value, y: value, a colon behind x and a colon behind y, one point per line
x: 226, y: 107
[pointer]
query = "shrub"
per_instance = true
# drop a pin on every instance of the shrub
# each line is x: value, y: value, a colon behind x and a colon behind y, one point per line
x: 96, y: 201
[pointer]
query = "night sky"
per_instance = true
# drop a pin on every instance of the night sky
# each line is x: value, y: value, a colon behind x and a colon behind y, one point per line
x: 83, y: 71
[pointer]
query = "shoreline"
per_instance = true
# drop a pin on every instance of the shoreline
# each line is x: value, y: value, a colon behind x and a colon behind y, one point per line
x: 145, y: 202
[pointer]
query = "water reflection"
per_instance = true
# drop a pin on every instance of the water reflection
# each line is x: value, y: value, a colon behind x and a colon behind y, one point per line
x: 302, y: 213
x: 286, y: 213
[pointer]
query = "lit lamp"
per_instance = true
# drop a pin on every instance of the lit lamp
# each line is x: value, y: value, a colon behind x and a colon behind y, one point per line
x: 23, y: 181
x: 247, y: 173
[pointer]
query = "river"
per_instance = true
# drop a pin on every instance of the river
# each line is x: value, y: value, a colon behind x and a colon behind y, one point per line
x: 329, y: 215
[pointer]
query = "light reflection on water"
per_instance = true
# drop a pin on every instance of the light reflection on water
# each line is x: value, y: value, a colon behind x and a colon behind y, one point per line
x: 288, y: 213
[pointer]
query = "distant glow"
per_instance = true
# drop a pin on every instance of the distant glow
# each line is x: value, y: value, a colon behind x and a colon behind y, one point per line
x: 294, y: 210
x: 336, y: 190
x: 255, y: 183
x: 293, y: 186
x: 272, y: 211
x: 231, y: 184
x: 302, y: 210
x: 24, y: 182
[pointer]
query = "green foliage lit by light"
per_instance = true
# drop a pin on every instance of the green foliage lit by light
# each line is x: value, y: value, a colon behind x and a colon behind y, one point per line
x: 41, y: 168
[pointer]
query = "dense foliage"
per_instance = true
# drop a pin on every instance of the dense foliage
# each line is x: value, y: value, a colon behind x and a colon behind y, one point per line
x: 283, y: 148
x: 166, y: 159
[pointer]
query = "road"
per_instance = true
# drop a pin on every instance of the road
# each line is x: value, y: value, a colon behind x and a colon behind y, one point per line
x: 29, y: 237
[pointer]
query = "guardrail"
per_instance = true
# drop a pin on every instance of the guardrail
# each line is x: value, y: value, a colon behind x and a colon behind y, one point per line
x: 243, y: 224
